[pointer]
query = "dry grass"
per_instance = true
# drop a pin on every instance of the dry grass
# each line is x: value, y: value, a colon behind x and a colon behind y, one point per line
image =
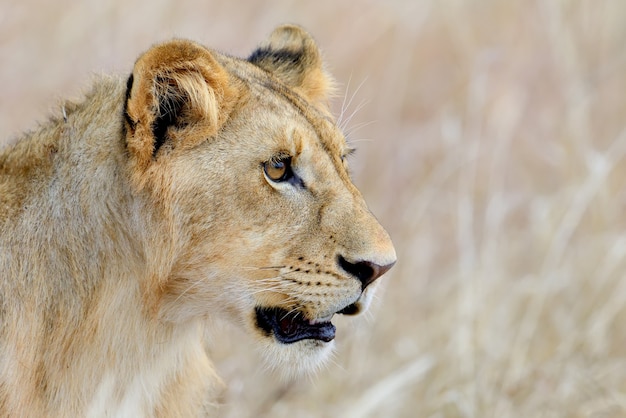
x: 492, y: 137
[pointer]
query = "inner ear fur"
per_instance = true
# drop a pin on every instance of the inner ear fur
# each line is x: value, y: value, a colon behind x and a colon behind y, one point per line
x: 177, y: 92
x: 293, y: 57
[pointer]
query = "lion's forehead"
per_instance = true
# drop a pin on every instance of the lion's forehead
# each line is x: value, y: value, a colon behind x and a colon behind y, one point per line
x: 288, y: 109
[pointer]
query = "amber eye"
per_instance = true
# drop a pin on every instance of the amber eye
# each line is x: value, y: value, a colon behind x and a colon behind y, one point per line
x: 278, y: 169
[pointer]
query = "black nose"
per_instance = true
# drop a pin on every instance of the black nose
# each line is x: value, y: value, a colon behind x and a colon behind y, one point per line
x: 365, y: 271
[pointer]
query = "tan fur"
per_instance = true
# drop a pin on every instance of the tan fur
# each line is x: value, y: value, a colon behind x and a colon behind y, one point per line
x: 116, y: 248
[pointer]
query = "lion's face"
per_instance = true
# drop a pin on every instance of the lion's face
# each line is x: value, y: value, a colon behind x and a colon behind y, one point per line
x: 270, y: 231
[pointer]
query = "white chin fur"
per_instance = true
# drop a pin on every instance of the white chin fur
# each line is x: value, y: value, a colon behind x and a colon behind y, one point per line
x: 303, y: 357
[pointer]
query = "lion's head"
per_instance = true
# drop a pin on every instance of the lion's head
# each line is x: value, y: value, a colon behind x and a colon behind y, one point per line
x: 251, y: 209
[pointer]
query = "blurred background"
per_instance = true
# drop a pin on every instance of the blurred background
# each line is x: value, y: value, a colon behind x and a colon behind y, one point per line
x: 491, y: 142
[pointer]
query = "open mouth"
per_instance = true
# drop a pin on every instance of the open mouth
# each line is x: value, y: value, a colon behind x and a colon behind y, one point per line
x: 289, y: 327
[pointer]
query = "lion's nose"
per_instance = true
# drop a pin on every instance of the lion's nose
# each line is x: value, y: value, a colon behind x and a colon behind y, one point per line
x: 365, y: 271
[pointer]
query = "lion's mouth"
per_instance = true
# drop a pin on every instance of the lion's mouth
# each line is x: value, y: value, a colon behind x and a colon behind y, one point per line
x: 289, y: 327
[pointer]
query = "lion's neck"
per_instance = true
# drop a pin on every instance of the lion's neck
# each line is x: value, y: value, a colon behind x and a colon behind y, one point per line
x: 150, y: 376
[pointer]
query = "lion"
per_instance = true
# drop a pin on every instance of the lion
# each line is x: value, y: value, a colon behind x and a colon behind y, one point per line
x: 202, y: 186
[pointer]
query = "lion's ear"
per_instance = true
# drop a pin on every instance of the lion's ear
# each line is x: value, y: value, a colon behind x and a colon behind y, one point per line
x: 292, y: 56
x: 177, y: 94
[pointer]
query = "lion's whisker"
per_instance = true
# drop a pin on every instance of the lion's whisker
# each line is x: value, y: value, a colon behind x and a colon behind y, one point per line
x: 184, y: 292
x: 355, y: 128
x: 345, y: 123
x: 263, y: 268
x: 341, y: 123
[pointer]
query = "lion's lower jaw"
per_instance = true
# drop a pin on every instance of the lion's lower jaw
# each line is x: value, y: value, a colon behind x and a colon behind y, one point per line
x: 298, y: 359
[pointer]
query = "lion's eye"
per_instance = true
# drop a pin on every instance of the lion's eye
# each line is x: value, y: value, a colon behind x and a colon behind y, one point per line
x: 278, y: 169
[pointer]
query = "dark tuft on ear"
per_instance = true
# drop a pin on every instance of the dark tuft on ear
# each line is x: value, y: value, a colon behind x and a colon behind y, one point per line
x: 167, y: 114
x: 274, y: 59
x: 291, y: 55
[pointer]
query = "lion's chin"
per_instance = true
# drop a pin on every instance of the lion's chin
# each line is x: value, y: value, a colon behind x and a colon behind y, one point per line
x: 304, y: 357
x: 291, y: 345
